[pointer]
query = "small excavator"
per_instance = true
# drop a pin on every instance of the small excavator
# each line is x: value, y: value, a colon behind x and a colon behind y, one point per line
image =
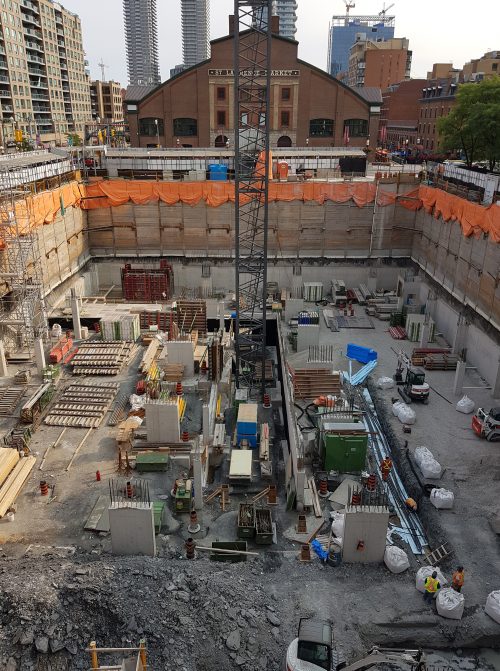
x: 313, y: 650
x: 413, y: 387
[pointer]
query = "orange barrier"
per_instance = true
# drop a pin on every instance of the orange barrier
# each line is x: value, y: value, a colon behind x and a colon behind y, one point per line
x: 474, y: 219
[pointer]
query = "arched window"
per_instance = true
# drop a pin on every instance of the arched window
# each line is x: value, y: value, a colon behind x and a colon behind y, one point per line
x: 185, y: 127
x: 284, y: 141
x: 220, y: 141
x: 357, y: 127
x: 148, y: 127
x: 321, y: 128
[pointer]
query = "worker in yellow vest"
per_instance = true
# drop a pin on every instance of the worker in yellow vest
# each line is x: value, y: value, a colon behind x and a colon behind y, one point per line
x: 432, y: 585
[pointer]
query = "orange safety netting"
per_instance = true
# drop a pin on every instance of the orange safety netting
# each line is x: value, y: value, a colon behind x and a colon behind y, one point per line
x: 118, y: 192
x: 474, y: 219
x: 41, y: 208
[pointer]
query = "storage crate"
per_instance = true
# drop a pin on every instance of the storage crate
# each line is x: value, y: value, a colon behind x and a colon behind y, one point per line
x: 246, y: 520
x: 263, y: 526
x: 247, y: 419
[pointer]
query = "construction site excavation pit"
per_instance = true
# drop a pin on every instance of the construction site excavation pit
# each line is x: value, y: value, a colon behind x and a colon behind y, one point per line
x: 151, y: 503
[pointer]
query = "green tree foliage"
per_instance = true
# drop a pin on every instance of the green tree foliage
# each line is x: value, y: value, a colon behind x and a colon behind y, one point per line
x: 473, y: 125
x: 74, y: 140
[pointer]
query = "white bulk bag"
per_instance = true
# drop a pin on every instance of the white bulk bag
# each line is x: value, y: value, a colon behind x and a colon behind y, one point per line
x: 465, y: 405
x: 406, y: 415
x: 385, y: 383
x: 450, y: 604
x: 395, y: 408
x: 428, y: 465
x: 338, y: 520
x: 426, y: 572
x: 492, y: 607
x: 396, y: 559
x: 442, y: 499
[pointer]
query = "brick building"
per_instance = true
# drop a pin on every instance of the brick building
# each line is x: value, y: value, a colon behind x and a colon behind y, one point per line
x: 482, y: 68
x: 308, y: 106
x: 436, y: 100
x: 106, y: 100
x: 381, y: 63
x: 399, y: 116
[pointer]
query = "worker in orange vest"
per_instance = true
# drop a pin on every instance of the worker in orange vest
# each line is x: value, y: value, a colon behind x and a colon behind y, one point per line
x: 385, y: 467
x: 431, y: 585
x: 457, y: 579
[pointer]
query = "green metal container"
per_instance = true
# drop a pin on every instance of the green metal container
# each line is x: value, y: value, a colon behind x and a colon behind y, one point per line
x: 246, y: 520
x: 263, y: 526
x: 345, y: 453
x: 151, y: 462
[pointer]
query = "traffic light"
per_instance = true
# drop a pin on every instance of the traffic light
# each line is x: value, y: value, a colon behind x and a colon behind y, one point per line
x: 113, y: 132
x: 18, y: 135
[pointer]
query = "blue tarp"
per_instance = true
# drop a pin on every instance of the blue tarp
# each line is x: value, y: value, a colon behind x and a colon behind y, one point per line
x: 361, y: 354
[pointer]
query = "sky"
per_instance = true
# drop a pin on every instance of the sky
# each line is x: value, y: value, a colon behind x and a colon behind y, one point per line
x: 440, y: 31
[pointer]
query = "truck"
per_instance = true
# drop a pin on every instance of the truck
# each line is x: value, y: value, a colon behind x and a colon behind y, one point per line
x: 487, y: 424
x: 313, y: 650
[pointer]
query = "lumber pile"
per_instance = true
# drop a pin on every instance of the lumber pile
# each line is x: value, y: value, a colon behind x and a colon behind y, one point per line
x: 419, y: 354
x: 10, y: 489
x: 313, y: 382
x: 9, y: 398
x: 82, y: 406
x: 150, y: 355
x: 440, y: 362
x: 8, y: 460
x: 173, y: 372
x: 102, y: 357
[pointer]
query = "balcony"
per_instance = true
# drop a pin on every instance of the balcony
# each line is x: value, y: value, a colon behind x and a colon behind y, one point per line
x: 2, y: 50
x: 34, y: 59
x: 42, y: 109
x: 7, y: 108
x: 29, y: 5
x: 37, y: 34
x: 64, y: 78
x: 34, y: 45
x: 61, y: 44
x: 4, y: 93
x: 36, y: 71
x: 60, y: 32
x: 3, y: 64
x: 39, y: 85
x: 4, y: 79
x: 26, y: 18
x: 40, y: 96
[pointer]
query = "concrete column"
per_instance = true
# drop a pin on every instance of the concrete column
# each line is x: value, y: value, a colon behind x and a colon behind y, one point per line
x: 39, y: 355
x: 221, y: 315
x: 495, y: 391
x: 75, y: 313
x: 197, y: 481
x: 206, y: 424
x: 459, y: 378
x: 460, y: 339
x: 297, y: 286
x: 3, y: 361
x: 424, y: 335
x: 206, y: 287
x: 372, y: 282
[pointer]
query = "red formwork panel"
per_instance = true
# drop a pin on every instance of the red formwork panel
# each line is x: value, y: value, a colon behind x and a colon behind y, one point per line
x: 148, y: 284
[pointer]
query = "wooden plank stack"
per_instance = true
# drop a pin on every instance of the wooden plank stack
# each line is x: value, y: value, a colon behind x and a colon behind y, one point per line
x: 13, y: 483
x: 440, y: 362
x: 102, y: 357
x: 9, y: 398
x: 420, y: 354
x: 8, y: 460
x: 173, y: 372
x: 82, y: 406
x: 313, y: 382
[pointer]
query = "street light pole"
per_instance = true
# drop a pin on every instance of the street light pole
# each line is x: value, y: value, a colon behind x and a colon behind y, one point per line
x: 157, y: 134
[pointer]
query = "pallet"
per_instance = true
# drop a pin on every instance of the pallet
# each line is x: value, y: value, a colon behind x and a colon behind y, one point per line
x: 440, y: 362
x: 173, y: 372
x: 103, y: 357
x: 312, y: 382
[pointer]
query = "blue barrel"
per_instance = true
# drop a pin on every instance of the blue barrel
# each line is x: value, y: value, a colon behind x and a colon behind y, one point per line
x: 217, y: 172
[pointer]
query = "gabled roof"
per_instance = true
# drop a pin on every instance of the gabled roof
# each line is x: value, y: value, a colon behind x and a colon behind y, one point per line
x: 371, y: 94
x: 136, y: 92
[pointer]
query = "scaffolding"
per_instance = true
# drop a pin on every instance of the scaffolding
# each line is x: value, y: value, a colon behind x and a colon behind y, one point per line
x: 252, y: 74
x: 22, y: 307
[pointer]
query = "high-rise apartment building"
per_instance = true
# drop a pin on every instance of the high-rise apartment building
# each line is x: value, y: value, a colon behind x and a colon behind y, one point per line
x: 106, y: 100
x: 141, y: 41
x: 195, y: 18
x: 342, y: 35
x: 287, y: 11
x: 44, y: 86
